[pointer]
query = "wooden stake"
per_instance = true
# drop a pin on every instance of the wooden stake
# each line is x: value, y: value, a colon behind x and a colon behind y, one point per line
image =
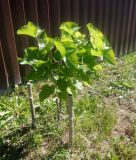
x: 71, y: 120
x: 58, y: 108
x: 29, y: 85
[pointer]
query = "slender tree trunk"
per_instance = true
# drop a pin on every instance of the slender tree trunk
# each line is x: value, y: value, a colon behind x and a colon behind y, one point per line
x: 31, y: 104
x: 71, y: 120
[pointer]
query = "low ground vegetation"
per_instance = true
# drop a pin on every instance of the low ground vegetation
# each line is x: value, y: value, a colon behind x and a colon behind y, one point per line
x: 105, y: 120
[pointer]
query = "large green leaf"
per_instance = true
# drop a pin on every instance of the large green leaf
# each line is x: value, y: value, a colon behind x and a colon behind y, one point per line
x: 78, y: 34
x: 46, y: 91
x: 80, y: 51
x: 98, y: 42
x: 66, y: 71
x: 109, y: 56
x: 98, y: 67
x: 60, y: 47
x: 32, y: 53
x: 69, y: 45
x: 34, y: 56
x: 45, y: 42
x: 89, y: 60
x: 83, y: 76
x: 62, y: 84
x: 93, y: 31
x: 66, y: 37
x: 62, y: 95
x: 35, y: 75
x: 97, y: 38
x: 80, y: 39
x: 57, y: 56
x: 65, y: 87
x: 29, y: 29
x: 72, y: 60
x: 39, y: 71
x: 97, y: 53
x: 69, y: 27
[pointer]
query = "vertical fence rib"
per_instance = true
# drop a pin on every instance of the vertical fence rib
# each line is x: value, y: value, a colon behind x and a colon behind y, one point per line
x: 43, y: 14
x: 100, y: 14
x: 118, y: 27
x: 128, y: 26
x: 91, y: 11
x: 17, y: 11
x: 134, y: 41
x: 113, y: 23
x: 54, y: 11
x: 31, y: 10
x: 83, y: 7
x: 131, y: 18
x: 3, y: 72
x: 64, y: 10
x: 133, y: 26
x: 11, y: 45
x: 74, y: 10
x: 124, y: 24
x: 107, y: 18
x: 31, y: 14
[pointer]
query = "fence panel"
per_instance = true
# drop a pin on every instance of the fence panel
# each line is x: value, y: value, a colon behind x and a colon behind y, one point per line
x: 116, y: 18
x: 10, y: 46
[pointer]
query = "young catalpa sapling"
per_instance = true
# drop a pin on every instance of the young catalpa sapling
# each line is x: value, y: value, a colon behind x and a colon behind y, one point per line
x: 65, y: 62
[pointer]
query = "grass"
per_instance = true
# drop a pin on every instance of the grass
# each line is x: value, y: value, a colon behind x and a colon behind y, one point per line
x: 105, y: 123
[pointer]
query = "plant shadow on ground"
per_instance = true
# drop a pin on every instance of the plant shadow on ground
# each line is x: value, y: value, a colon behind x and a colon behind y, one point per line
x: 11, y: 151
